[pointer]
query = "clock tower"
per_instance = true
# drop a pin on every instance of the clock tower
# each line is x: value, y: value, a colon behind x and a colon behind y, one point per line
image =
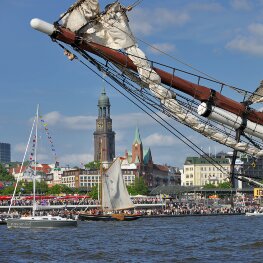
x: 104, y: 137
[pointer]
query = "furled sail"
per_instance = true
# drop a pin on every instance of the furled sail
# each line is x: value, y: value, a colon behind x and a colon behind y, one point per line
x: 256, y: 97
x: 111, y: 29
x: 114, y: 192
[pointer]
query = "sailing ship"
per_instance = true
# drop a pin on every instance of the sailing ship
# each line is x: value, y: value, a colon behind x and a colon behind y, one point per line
x: 114, y: 197
x: 105, y: 40
x: 35, y: 221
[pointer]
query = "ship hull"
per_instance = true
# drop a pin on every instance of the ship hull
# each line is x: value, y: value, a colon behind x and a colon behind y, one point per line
x: 32, y: 223
x: 110, y: 217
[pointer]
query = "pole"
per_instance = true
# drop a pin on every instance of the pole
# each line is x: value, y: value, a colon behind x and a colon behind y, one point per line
x: 232, y: 167
x: 35, y: 173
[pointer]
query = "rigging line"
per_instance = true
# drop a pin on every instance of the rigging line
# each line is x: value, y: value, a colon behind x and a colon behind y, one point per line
x: 213, y: 162
x: 105, y: 57
x: 136, y: 3
x: 180, y: 61
x: 124, y: 11
x: 154, y: 117
x: 159, y: 50
x: 200, y: 119
x: 238, y: 174
x: 209, y: 124
x: 99, y: 66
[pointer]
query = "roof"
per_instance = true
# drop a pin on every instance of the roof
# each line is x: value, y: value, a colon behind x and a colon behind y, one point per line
x: 137, y: 138
x: 40, y: 167
x: 162, y: 168
x: 103, y: 99
x: 208, y: 160
x: 147, y: 156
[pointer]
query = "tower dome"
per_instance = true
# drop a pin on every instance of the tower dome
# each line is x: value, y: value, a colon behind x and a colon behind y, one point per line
x: 103, y: 99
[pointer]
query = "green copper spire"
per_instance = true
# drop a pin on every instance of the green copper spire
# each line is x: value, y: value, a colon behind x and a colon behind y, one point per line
x: 103, y: 99
x: 137, y: 138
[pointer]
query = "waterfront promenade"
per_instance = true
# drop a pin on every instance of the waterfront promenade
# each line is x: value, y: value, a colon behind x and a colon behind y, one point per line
x: 149, y: 206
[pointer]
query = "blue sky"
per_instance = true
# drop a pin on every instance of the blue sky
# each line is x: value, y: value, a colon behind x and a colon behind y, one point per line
x: 221, y: 38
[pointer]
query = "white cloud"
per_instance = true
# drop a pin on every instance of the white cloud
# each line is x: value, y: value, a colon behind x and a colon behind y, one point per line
x: 131, y: 120
x: 147, y: 22
x: 157, y: 139
x: 52, y: 117
x: 70, y: 122
x: 76, y: 159
x: 80, y: 123
x: 211, y: 7
x: 251, y: 43
x: 243, y: 5
x: 20, y: 148
x: 256, y: 29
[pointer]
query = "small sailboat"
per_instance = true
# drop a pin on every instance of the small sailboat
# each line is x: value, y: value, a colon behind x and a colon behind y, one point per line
x: 114, y: 197
x: 35, y: 221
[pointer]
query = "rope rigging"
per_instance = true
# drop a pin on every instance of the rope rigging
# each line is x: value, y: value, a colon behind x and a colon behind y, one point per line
x: 145, y: 98
x: 207, y: 77
x: 176, y: 106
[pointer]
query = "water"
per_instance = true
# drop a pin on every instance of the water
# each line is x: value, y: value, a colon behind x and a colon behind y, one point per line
x: 178, y: 239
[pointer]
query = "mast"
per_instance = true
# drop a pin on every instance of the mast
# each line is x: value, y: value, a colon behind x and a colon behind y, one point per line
x: 21, y: 168
x: 35, y: 172
x: 199, y: 92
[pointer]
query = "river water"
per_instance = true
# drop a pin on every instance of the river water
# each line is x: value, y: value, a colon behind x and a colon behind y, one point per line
x: 175, y: 239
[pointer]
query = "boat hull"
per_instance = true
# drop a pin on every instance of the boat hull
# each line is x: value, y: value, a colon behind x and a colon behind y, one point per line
x: 114, y: 217
x: 254, y: 214
x: 3, y: 222
x: 31, y: 223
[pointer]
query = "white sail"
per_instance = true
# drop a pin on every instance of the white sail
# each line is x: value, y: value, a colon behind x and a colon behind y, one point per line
x: 114, y: 192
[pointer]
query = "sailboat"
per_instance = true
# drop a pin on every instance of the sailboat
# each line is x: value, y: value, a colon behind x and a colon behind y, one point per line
x: 114, y: 197
x: 35, y: 221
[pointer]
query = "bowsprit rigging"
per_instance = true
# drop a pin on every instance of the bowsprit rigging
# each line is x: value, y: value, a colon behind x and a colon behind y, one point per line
x: 107, y: 35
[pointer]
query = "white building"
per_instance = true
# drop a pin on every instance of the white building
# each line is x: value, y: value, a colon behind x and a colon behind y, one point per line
x: 199, y: 171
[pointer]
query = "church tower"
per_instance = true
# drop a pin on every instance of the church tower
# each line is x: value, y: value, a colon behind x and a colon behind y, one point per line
x: 137, y: 149
x: 104, y: 137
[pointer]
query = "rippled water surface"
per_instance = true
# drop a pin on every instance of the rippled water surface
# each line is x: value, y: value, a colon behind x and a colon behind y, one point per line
x: 178, y: 239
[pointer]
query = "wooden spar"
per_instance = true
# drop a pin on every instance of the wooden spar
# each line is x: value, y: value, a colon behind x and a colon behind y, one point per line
x: 198, y: 92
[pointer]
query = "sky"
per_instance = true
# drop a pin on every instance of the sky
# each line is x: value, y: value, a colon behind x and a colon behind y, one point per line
x: 223, y: 38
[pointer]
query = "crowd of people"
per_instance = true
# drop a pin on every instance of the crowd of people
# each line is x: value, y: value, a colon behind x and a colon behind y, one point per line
x: 155, y: 206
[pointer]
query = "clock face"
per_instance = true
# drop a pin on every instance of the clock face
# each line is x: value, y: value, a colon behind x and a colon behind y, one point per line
x: 100, y: 124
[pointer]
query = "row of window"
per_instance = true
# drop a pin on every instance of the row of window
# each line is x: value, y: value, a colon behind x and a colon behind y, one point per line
x: 207, y: 169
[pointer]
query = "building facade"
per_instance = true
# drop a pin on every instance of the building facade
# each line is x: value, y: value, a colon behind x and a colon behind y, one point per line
x: 5, y: 152
x: 199, y: 171
x: 85, y: 178
x: 104, y: 137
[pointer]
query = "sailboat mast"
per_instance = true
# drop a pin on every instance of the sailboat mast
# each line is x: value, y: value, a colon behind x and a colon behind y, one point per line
x: 35, y: 172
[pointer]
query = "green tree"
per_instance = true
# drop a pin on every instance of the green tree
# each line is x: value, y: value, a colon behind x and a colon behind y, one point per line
x: 4, y: 175
x: 93, y: 193
x: 224, y: 185
x: 7, y: 190
x: 93, y: 165
x: 60, y: 189
x: 138, y: 187
x: 209, y: 186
